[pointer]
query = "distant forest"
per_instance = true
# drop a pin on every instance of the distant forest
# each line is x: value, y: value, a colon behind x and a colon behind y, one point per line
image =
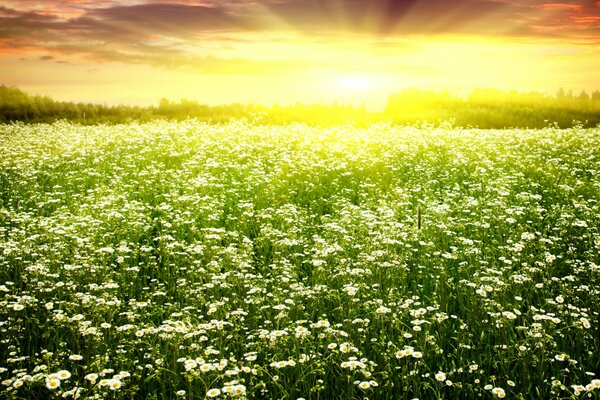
x: 483, y: 108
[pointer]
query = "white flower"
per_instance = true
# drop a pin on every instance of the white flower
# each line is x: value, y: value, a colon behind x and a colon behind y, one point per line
x: 560, y: 357
x: 190, y: 364
x: 364, y: 385
x: 114, y: 384
x: 585, y: 323
x: 91, y: 377
x: 53, y: 383
x: 239, y: 390
x: 382, y: 310
x: 440, y: 376
x: 279, y: 364
x: 205, y: 367
x: 559, y: 299
x: 63, y: 375
x: 527, y: 236
x: 509, y: 314
x: 301, y: 331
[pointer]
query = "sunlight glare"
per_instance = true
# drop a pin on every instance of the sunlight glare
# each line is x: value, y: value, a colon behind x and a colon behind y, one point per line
x: 355, y: 82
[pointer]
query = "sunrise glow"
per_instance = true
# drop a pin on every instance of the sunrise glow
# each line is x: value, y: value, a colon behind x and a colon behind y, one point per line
x: 137, y: 51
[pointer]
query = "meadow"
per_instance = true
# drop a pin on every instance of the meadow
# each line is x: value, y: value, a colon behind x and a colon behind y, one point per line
x: 185, y: 260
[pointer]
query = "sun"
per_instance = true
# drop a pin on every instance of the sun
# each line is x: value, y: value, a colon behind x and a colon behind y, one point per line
x: 360, y: 88
x: 355, y: 82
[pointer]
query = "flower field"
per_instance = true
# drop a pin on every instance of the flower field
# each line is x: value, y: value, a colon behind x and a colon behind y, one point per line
x: 188, y: 260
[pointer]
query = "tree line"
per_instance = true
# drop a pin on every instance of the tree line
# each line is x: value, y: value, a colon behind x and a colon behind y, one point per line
x: 483, y: 108
x: 492, y: 108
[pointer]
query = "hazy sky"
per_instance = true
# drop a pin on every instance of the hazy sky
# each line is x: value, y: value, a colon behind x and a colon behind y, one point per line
x: 223, y: 51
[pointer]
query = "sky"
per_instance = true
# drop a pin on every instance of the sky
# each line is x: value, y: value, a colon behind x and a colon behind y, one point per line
x: 287, y: 51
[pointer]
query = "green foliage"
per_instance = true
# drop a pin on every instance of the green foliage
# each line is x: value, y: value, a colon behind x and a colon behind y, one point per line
x: 483, y: 108
x: 16, y: 105
x: 490, y: 108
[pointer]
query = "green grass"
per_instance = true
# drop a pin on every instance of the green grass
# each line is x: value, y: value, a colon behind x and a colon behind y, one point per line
x: 293, y: 262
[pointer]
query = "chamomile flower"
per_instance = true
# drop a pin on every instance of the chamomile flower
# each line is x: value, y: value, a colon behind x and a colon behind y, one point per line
x: 364, y: 385
x: 63, y: 375
x: 114, y: 384
x: 53, y: 383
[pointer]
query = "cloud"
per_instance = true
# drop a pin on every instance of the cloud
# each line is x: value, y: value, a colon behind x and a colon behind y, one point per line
x: 59, y: 8
x: 185, y: 33
x: 384, y: 16
x: 165, y: 18
x: 150, y: 34
x: 130, y: 35
x: 176, y: 59
x: 530, y: 18
x: 577, y: 21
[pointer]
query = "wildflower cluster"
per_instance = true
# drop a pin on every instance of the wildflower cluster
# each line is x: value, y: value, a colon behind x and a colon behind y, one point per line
x: 189, y: 260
